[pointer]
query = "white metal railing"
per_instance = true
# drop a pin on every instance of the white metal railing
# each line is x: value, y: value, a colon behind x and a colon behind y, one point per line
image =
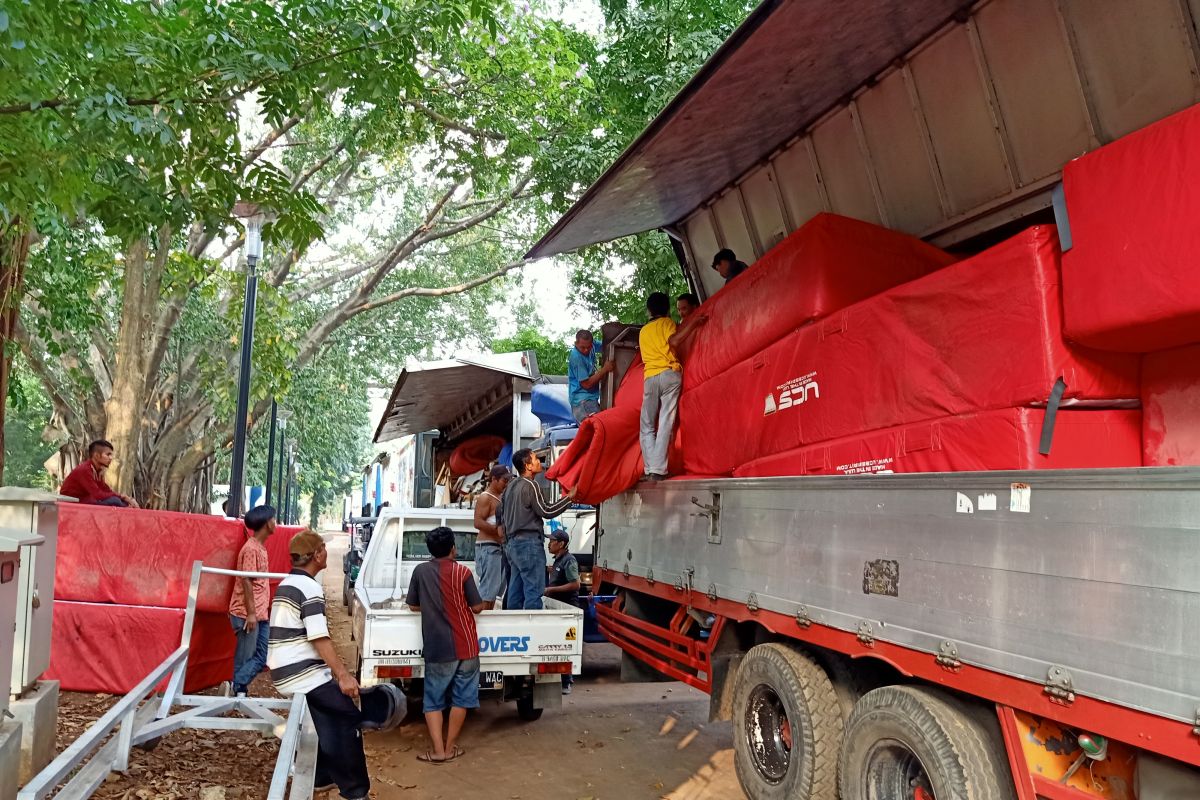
x: 89, y: 759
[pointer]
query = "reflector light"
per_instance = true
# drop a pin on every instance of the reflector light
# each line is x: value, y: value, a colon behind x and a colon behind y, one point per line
x: 555, y: 668
x: 393, y: 672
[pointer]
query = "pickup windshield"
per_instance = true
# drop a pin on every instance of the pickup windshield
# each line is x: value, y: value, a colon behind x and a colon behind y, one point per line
x: 395, y: 553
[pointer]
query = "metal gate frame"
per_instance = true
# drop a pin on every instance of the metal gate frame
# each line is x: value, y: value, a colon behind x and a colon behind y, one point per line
x: 143, y: 718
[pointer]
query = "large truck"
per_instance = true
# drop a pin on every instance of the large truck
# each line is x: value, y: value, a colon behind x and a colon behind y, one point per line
x: 956, y: 636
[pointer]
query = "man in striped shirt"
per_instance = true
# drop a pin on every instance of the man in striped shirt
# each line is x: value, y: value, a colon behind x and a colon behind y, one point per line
x: 302, y: 659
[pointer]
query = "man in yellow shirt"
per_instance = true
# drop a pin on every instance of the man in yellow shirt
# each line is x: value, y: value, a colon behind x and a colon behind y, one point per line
x: 660, y: 394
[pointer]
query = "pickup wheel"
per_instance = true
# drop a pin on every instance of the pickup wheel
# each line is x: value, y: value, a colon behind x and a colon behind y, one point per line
x: 346, y: 591
x: 787, y: 726
x: 913, y: 743
x: 526, y: 711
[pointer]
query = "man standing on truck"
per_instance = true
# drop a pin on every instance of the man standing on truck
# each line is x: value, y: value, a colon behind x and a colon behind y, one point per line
x: 249, y: 605
x: 521, y: 514
x: 443, y: 592
x: 302, y: 660
x: 489, y: 554
x: 663, y: 381
x: 583, y: 379
x: 563, y: 581
x: 727, y: 265
x: 86, y: 482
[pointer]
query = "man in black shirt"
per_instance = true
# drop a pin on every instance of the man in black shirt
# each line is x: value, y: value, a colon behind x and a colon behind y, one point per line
x: 562, y: 582
x: 522, y: 514
x: 727, y: 264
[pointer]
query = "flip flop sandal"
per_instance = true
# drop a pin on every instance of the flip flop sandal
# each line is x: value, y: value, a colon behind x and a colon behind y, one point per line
x: 427, y: 757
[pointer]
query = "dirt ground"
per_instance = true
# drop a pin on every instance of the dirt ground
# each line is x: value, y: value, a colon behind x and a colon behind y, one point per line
x: 609, y: 740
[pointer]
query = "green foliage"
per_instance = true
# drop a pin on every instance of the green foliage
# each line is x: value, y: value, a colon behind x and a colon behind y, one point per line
x: 551, y: 354
x: 25, y: 452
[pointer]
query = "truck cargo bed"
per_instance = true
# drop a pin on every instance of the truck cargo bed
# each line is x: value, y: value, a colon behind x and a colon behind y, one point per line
x: 1090, y: 576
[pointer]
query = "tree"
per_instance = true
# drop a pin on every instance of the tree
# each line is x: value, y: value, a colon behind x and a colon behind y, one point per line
x: 551, y: 354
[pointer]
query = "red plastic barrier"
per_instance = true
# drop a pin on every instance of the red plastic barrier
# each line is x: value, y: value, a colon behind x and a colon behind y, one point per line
x: 98, y: 647
x: 1171, y: 407
x: 475, y: 454
x: 828, y: 264
x: 144, y: 558
x: 1003, y: 439
x: 982, y: 334
x: 1130, y: 281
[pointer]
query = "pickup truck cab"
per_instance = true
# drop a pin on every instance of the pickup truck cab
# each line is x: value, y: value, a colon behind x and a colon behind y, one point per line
x: 522, y: 654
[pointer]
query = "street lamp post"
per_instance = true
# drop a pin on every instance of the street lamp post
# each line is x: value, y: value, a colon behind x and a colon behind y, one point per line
x: 291, y: 460
x: 284, y: 416
x: 271, y: 450
x: 254, y: 222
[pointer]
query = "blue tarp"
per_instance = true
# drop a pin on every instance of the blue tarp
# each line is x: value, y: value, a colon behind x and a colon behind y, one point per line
x: 551, y: 406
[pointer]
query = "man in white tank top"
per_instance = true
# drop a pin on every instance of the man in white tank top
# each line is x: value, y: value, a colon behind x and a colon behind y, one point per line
x: 489, y: 559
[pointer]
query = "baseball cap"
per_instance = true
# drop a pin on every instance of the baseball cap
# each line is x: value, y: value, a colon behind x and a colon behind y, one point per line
x: 559, y: 535
x: 304, y: 544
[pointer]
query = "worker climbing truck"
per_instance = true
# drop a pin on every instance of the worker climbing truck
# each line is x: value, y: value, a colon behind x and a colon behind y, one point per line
x: 957, y: 635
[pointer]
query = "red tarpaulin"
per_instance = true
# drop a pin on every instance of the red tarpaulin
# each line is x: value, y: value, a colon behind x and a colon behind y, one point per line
x: 138, y: 557
x: 1003, y: 439
x: 982, y: 334
x: 829, y: 263
x: 1171, y: 407
x: 475, y: 454
x: 1131, y: 281
x: 102, y: 647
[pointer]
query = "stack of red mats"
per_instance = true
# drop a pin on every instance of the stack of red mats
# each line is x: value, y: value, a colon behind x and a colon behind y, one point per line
x: 983, y: 334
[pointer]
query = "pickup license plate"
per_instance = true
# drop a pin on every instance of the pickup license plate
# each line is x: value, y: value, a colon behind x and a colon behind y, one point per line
x: 489, y: 679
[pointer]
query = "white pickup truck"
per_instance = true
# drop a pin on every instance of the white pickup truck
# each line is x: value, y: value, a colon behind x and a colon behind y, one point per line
x: 521, y: 653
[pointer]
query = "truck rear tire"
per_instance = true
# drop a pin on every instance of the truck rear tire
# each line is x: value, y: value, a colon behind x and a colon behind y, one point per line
x: 787, y: 726
x: 915, y: 743
x: 526, y: 711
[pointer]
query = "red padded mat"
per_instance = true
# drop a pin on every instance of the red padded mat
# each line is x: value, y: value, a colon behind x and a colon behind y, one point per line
x: 1131, y: 281
x: 1002, y: 439
x: 144, y: 558
x: 1171, y: 407
x: 827, y: 264
x: 100, y: 647
x: 982, y: 334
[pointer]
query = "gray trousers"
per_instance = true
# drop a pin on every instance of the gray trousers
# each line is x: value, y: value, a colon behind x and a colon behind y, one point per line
x: 660, y: 407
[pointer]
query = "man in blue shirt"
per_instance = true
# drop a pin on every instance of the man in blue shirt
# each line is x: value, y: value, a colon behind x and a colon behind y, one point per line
x: 583, y: 378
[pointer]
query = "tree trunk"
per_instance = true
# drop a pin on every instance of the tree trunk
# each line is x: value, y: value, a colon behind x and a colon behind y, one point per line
x: 15, y: 239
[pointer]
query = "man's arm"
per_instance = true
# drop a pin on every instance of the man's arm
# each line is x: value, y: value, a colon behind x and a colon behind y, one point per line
x: 474, y: 601
x: 552, y: 510
x: 345, y: 680
x: 248, y: 598
x: 592, y: 381
x: 481, y: 515
x: 680, y: 341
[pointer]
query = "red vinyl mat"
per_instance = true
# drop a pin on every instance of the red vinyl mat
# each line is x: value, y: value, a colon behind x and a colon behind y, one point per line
x: 1001, y: 439
x: 137, y: 557
x: 982, y: 334
x: 1131, y: 281
x: 1171, y: 406
x: 829, y: 263
x: 99, y: 647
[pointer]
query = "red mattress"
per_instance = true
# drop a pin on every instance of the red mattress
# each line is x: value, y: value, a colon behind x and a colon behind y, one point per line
x: 144, y: 558
x: 982, y: 334
x: 475, y: 454
x: 1002, y: 439
x: 826, y: 265
x: 605, y: 458
x: 1130, y: 280
x: 1171, y: 406
x: 97, y: 647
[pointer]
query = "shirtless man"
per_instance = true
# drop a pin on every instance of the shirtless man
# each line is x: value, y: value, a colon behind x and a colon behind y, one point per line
x: 489, y: 559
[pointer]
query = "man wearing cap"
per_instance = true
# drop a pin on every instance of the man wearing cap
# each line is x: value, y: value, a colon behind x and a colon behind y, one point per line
x: 562, y: 582
x: 489, y: 557
x: 302, y: 660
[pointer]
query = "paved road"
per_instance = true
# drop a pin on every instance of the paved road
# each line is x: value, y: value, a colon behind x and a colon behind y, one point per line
x: 610, y: 739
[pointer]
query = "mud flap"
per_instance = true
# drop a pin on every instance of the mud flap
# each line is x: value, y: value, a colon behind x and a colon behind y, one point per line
x: 548, y: 694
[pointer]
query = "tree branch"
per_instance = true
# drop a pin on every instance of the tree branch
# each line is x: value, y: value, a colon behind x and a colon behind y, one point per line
x: 446, y: 122
x: 441, y: 291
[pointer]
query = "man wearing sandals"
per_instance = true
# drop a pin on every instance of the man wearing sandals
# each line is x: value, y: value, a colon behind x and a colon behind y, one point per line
x: 443, y: 592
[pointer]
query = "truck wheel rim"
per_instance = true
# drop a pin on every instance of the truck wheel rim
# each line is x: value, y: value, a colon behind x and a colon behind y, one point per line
x: 894, y: 772
x: 766, y: 719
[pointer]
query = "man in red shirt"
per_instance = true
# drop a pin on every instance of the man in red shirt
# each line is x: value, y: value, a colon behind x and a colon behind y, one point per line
x: 250, y: 604
x: 86, y: 482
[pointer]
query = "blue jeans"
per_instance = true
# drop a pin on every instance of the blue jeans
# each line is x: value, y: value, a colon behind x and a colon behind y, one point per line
x: 451, y: 683
x: 251, y: 654
x: 527, y: 582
